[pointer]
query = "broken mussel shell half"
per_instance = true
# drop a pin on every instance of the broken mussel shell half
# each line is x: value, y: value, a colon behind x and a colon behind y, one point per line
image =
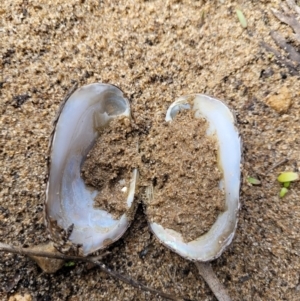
x: 69, y: 208
x: 221, y: 124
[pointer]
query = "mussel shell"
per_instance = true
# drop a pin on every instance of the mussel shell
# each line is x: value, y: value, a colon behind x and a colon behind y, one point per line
x: 69, y: 202
x: 221, y: 124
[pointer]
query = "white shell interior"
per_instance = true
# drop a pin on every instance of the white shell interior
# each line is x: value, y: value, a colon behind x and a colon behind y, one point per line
x: 221, y: 123
x: 68, y: 200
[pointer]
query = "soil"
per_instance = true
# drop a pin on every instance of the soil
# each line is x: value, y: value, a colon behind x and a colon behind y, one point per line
x: 180, y: 162
x: 109, y: 165
x: 178, y: 159
x: 155, y: 51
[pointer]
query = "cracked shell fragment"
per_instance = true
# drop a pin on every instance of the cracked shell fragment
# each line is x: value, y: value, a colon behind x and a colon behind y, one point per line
x: 221, y: 124
x: 69, y: 202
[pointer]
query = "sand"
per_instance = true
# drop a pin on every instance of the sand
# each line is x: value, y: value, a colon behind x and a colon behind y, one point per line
x: 155, y: 51
x: 177, y: 160
x: 109, y: 165
x: 180, y: 163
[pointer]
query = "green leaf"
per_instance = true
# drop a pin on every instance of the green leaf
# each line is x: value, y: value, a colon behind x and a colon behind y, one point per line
x: 253, y: 181
x: 283, y: 192
x: 286, y: 184
x: 241, y: 18
x: 69, y: 264
x: 288, y: 177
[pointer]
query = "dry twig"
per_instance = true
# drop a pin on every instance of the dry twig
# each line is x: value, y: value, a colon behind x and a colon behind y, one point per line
x: 292, y: 4
x: 276, y: 165
x: 290, y: 20
x: 281, y: 59
x: 292, y: 61
x: 282, y: 43
x: 94, y: 260
x: 207, y: 273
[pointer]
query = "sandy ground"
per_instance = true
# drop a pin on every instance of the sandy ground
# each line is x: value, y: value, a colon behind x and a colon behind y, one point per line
x: 154, y: 51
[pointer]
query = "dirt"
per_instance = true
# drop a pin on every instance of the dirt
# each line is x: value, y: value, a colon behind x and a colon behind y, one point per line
x: 155, y: 51
x: 180, y: 162
x: 177, y: 159
x: 109, y: 165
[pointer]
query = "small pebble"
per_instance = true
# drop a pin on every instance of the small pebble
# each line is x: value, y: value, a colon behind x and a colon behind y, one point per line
x: 280, y: 101
x: 20, y: 297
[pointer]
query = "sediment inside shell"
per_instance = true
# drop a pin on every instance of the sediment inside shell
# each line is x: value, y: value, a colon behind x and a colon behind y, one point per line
x: 109, y: 165
x: 69, y: 204
x: 221, y: 124
x: 181, y: 163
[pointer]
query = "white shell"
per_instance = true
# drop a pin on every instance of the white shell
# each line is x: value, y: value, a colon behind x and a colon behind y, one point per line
x: 69, y: 202
x: 221, y: 122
